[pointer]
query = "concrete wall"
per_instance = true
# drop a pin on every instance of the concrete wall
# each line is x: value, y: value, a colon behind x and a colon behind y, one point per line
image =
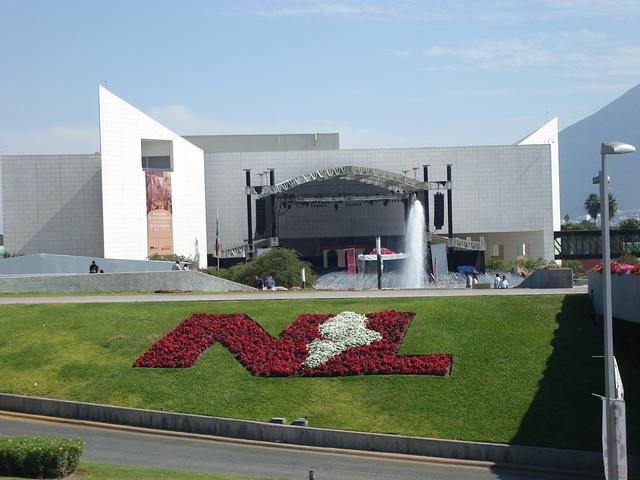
x: 512, y: 243
x: 548, y: 134
x: 40, y: 263
x: 118, y: 282
x: 122, y: 129
x: 265, y: 143
x: 52, y: 204
x: 497, y: 189
x: 551, y: 278
x: 624, y: 295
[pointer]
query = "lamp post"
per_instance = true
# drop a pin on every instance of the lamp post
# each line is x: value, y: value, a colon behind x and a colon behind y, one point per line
x: 612, y: 468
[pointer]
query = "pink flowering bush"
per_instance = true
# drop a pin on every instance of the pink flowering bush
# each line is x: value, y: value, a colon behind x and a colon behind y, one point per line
x: 263, y: 355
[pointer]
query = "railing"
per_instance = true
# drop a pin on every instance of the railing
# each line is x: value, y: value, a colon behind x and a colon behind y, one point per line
x: 587, y: 244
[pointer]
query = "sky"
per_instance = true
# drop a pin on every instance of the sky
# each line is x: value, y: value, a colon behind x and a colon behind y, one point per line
x: 381, y: 73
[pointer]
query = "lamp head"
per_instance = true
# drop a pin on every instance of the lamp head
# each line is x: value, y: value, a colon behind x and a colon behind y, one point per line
x: 616, y: 147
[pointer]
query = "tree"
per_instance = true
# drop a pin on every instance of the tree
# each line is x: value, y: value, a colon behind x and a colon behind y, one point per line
x: 581, y: 225
x: 629, y: 224
x: 567, y: 218
x: 613, y: 206
x: 592, y: 206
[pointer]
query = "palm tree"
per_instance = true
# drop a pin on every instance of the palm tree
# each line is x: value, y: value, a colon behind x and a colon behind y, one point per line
x: 613, y: 206
x: 592, y: 206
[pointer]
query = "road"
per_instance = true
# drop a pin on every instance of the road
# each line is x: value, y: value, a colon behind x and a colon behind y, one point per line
x: 294, y: 295
x: 258, y: 459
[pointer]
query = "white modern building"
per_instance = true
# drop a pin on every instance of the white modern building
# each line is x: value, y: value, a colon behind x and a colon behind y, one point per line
x: 150, y: 190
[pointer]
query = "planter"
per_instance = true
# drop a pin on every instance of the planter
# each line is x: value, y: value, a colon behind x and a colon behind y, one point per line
x: 625, y: 295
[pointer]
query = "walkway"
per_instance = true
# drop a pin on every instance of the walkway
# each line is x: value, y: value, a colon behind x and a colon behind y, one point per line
x: 290, y: 295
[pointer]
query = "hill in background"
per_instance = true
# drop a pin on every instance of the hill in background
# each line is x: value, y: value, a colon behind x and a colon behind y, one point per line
x: 579, y: 146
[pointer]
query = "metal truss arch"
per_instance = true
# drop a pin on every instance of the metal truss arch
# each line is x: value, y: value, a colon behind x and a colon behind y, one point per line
x: 394, y: 182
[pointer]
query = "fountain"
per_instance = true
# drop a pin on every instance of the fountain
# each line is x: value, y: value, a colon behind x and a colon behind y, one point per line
x: 414, y: 271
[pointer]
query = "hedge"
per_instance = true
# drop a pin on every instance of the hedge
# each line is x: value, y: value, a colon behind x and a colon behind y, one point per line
x: 39, y: 457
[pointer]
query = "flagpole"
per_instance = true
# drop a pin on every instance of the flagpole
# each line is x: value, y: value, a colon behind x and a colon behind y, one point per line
x: 217, y: 239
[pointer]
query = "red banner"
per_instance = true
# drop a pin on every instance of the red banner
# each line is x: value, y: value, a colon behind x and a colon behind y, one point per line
x: 351, y: 260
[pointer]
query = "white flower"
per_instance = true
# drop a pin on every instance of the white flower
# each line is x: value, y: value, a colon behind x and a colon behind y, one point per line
x: 345, y: 330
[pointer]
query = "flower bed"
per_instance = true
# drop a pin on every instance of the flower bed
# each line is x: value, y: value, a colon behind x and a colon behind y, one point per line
x: 313, y: 345
x: 625, y: 285
x: 619, y: 268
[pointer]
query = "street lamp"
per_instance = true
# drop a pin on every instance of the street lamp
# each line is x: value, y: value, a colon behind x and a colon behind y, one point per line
x: 612, y: 468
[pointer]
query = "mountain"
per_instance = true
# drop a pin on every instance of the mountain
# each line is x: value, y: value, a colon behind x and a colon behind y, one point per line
x: 579, y: 146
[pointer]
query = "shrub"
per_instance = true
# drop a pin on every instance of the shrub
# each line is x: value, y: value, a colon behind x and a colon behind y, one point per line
x: 11, y: 255
x: 628, y: 259
x: 283, y: 263
x: 530, y: 264
x: 575, y: 265
x: 172, y: 258
x: 39, y: 457
x: 629, y: 224
x: 496, y: 265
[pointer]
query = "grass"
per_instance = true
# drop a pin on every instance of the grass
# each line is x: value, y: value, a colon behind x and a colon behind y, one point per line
x: 103, y: 471
x: 523, y: 370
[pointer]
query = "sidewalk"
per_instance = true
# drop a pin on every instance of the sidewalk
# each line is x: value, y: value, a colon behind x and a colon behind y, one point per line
x: 290, y: 295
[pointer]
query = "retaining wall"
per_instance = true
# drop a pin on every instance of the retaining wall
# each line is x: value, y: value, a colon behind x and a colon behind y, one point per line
x: 625, y: 295
x: 551, y: 278
x: 181, y: 281
x: 492, y: 452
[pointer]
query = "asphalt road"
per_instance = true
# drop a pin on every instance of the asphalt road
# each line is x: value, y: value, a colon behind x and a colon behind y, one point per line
x: 295, y: 295
x: 145, y: 449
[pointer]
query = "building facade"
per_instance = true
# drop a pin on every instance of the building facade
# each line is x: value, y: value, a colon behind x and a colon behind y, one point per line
x: 150, y: 190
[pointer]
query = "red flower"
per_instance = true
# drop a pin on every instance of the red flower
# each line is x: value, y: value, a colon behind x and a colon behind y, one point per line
x: 264, y: 355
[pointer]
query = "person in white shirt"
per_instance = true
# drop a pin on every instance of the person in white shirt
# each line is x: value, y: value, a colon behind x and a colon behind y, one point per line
x: 504, y: 283
x: 176, y: 266
x: 496, y: 281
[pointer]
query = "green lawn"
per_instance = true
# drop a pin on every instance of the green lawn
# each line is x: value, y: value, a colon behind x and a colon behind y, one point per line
x: 103, y: 471
x: 523, y: 370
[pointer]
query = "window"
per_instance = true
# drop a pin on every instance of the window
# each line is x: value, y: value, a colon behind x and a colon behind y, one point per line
x: 162, y: 163
x: 157, y: 155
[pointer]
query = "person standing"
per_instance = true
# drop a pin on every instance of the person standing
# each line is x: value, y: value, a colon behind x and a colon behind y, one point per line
x: 270, y: 283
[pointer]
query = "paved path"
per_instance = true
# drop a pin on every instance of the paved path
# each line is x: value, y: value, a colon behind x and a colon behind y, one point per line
x: 133, y: 448
x: 293, y: 295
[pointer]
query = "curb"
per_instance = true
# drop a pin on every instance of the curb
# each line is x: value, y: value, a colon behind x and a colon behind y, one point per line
x: 492, y: 454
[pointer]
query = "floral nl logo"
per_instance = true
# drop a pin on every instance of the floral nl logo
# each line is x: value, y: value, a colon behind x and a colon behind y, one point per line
x: 313, y: 345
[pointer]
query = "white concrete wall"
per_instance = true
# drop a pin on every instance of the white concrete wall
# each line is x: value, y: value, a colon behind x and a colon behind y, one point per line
x: 52, y: 204
x: 496, y: 188
x: 122, y: 128
x: 512, y: 242
x: 548, y: 135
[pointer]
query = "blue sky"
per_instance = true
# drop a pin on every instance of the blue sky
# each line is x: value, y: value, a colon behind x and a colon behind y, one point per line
x: 382, y: 74
x: 401, y: 73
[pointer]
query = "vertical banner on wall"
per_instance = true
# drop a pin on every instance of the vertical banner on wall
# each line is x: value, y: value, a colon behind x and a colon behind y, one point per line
x: 159, y: 213
x: 351, y: 260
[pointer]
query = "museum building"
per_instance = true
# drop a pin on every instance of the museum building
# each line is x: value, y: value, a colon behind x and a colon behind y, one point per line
x: 150, y: 191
